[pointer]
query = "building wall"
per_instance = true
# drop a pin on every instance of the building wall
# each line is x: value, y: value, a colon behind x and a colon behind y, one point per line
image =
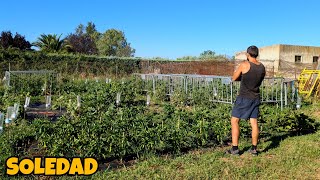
x: 268, y: 56
x: 284, y: 53
x: 288, y: 53
x: 271, y: 56
x: 270, y: 53
x: 240, y: 55
x: 265, y: 53
x: 219, y: 68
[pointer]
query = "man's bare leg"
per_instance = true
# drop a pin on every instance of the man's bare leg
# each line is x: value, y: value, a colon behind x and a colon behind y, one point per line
x: 255, y: 131
x: 235, y: 131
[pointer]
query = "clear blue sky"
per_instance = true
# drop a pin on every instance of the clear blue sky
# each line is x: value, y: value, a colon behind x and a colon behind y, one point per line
x: 173, y: 28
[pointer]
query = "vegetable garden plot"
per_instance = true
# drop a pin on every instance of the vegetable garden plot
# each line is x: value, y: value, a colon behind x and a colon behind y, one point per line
x: 32, y: 82
x: 217, y: 88
x: 96, y: 126
x: 36, y: 110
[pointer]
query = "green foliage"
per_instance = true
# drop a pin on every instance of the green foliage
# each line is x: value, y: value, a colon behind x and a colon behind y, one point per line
x: 83, y: 44
x: 188, y: 58
x: 18, y: 41
x: 205, y: 55
x: 160, y: 94
x: 84, y: 40
x: 15, y: 141
x: 6, y: 39
x: 179, y: 97
x: 50, y: 43
x: 33, y: 84
x: 89, y: 30
x: 64, y: 63
x: 105, y: 130
x: 287, y: 121
x: 87, y: 40
x: 114, y: 43
x: 282, y: 158
x: 211, y: 55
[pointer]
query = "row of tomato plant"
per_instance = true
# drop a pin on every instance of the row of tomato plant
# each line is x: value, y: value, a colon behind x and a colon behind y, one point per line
x: 102, y: 129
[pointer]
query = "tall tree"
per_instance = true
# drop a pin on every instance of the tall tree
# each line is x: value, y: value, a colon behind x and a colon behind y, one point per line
x: 18, y: 41
x: 208, y: 54
x: 50, y: 43
x: 84, y: 39
x: 114, y: 43
x: 21, y: 43
x: 83, y: 44
x: 211, y: 55
x: 80, y: 29
x: 91, y: 28
x: 92, y: 31
x: 6, y: 39
x: 205, y: 55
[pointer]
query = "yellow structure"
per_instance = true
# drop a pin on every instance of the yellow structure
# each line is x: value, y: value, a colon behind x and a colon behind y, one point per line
x: 309, y: 82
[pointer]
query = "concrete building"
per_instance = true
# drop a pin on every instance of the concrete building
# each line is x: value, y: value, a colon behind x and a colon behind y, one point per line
x: 272, y: 55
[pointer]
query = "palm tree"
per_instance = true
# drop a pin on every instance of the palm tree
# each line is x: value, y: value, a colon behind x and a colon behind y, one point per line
x: 50, y: 43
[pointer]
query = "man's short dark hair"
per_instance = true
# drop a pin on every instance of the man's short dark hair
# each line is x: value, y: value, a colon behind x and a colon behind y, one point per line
x: 253, y: 51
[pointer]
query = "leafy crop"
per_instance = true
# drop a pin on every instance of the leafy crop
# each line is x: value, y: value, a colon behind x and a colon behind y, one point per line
x: 103, y: 129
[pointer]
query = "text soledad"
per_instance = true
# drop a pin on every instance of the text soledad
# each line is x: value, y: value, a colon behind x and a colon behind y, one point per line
x: 51, y: 166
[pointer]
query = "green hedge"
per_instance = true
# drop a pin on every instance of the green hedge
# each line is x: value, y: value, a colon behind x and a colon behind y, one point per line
x: 68, y: 63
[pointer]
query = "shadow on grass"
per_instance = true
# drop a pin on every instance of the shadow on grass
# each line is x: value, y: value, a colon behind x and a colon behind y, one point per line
x: 276, y: 139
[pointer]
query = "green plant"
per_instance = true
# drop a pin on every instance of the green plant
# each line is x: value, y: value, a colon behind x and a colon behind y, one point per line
x: 103, y: 129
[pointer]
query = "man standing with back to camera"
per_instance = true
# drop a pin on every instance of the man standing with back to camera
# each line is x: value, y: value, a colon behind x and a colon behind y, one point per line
x: 251, y: 73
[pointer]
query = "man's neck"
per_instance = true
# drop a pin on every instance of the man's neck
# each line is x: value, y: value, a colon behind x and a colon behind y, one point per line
x: 253, y: 60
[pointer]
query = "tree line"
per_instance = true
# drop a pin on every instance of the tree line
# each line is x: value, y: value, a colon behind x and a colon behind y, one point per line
x: 88, y: 41
x: 85, y: 40
x: 205, y: 55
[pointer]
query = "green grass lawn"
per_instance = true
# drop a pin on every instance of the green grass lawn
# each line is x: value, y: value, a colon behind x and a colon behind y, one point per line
x: 281, y: 157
